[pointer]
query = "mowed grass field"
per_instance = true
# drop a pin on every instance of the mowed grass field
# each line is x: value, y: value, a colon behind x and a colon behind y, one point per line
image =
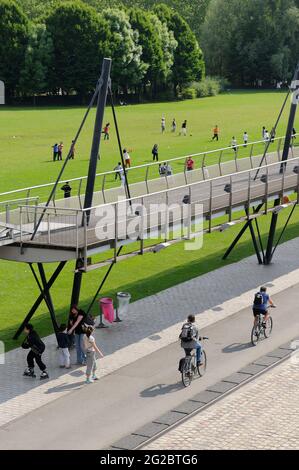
x: 27, y: 134
x: 26, y: 137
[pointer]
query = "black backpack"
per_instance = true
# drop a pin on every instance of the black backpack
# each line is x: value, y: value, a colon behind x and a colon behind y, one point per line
x: 187, y: 333
x: 258, y: 299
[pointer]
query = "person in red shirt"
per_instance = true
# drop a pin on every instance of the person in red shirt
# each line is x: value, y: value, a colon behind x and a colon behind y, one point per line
x: 189, y: 164
x: 106, y: 131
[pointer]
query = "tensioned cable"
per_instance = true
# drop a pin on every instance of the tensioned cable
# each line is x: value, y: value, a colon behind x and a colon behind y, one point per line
x: 67, y: 158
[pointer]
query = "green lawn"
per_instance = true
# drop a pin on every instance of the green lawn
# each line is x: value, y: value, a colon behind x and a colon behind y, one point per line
x: 26, y: 160
x: 27, y: 134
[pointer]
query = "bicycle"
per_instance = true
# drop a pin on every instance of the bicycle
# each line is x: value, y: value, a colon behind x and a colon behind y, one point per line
x: 260, y: 330
x: 190, y: 369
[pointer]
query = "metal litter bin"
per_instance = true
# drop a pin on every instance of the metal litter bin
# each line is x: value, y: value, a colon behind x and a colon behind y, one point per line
x: 123, y: 300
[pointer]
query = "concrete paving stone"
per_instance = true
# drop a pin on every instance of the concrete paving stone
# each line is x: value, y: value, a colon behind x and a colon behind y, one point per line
x: 252, y: 369
x: 237, y: 378
x: 287, y: 346
x: 206, y: 396
x: 221, y: 387
x: 276, y: 425
x: 279, y: 353
x: 129, y: 442
x: 170, y: 418
x: 150, y: 429
x: 137, y: 337
x: 189, y: 406
x: 266, y: 360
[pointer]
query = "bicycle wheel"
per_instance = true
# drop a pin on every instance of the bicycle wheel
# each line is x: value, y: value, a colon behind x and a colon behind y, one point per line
x: 269, y: 326
x: 186, y: 374
x: 255, y: 335
x: 202, y: 369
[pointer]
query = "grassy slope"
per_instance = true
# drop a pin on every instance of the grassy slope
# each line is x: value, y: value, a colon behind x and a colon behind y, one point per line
x: 26, y: 160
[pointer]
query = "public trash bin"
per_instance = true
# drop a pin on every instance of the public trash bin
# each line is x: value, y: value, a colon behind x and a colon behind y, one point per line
x: 123, y: 300
x: 107, y: 308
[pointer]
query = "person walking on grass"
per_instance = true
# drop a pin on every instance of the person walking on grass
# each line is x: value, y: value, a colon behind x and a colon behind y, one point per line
x: 216, y: 133
x: 60, y: 148
x: 234, y: 144
x: 118, y: 171
x: 184, y: 128
x: 106, y: 131
x: 127, y: 158
x: 163, y: 125
x: 155, y: 153
x: 72, y: 154
x: 245, y: 139
x: 173, y: 125
x: 91, y: 349
x: 55, y: 152
x: 64, y: 343
x: 37, y: 348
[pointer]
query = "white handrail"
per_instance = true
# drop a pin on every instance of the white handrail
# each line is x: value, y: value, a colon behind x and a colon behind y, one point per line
x: 186, y: 186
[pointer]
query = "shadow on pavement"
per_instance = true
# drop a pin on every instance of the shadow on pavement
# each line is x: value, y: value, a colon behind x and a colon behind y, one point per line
x: 160, y: 389
x: 65, y: 387
x: 235, y: 347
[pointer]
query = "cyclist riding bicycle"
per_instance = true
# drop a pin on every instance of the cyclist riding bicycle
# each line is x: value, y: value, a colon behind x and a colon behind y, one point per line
x: 189, y: 338
x: 261, y: 304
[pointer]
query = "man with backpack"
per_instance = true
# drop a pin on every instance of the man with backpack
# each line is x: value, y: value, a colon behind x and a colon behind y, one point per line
x: 37, y: 347
x: 260, y: 305
x: 189, y: 338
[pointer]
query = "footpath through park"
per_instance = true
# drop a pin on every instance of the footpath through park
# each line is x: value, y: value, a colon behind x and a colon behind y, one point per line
x: 150, y: 329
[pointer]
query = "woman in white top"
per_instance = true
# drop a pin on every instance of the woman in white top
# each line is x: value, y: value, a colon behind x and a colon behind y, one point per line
x: 127, y: 158
x: 90, y: 350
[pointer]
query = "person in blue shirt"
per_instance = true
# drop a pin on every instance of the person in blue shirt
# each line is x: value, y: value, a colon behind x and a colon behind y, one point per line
x: 261, y: 304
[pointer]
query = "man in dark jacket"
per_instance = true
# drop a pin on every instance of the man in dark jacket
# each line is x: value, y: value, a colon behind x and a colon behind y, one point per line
x: 37, y: 347
x: 66, y: 189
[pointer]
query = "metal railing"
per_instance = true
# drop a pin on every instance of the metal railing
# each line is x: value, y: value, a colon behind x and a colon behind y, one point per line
x: 145, y: 178
x: 221, y: 196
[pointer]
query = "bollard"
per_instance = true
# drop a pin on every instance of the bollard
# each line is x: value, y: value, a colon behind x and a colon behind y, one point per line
x: 123, y: 300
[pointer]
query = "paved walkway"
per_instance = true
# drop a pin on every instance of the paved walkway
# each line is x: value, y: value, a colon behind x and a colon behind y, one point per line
x: 152, y: 323
x: 263, y: 414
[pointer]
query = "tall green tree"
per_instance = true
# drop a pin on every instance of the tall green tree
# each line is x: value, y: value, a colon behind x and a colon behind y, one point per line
x: 14, y: 28
x: 152, y: 53
x: 193, y: 11
x: 188, y: 58
x: 168, y: 44
x: 251, y: 40
x: 38, y: 58
x: 128, y: 67
x: 80, y: 37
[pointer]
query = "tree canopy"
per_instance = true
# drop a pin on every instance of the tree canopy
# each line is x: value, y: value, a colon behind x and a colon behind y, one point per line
x: 14, y: 27
x: 251, y: 40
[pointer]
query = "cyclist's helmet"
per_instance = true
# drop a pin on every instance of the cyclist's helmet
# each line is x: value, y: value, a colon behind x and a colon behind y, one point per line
x: 263, y: 289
